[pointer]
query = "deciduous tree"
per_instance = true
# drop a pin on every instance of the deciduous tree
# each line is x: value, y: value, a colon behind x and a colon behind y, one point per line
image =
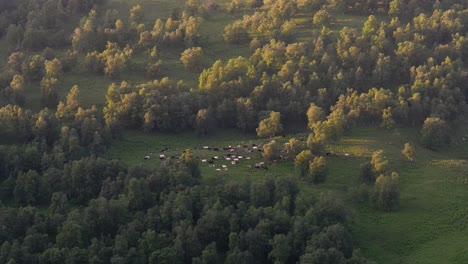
x: 408, y: 151
x: 386, y: 193
x: 270, y: 126
x: 435, y: 133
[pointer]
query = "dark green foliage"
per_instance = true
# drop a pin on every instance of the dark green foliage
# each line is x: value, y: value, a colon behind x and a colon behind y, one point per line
x: 435, y: 133
x: 183, y: 224
x: 386, y: 195
x: 367, y: 173
x: 204, y: 122
x: 100, y: 211
x: 318, y: 170
x: 301, y: 162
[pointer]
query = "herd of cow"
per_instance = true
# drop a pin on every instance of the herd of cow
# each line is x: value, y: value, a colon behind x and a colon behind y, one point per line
x: 233, y: 156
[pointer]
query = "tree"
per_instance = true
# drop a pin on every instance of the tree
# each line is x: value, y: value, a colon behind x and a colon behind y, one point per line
x: 136, y: 14
x: 367, y: 173
x: 387, y: 119
x: 203, y: 122
x: 281, y: 248
x: 246, y: 115
x: 321, y: 18
x: 234, y: 6
x: 209, y: 254
x: 94, y: 62
x: 256, y: 3
x: 191, y: 162
x: 58, y: 203
x: 53, y: 68
x: 15, y: 60
x: 318, y: 170
x: 17, y: 83
x: 14, y: 35
x: 435, y: 133
x: 386, y: 195
x: 71, y: 235
x: 332, y: 128
x: 270, y: 126
x: 379, y: 162
x: 301, y: 163
x: 15, y: 93
x: 192, y: 58
x: 235, y: 33
x: 33, y: 68
x: 28, y: 188
x: 314, y: 114
x: 408, y: 151
x: 137, y: 194
x: 316, y: 146
x: 152, y: 68
x: 68, y: 110
x: 270, y: 151
x: 49, y: 94
x: 293, y: 147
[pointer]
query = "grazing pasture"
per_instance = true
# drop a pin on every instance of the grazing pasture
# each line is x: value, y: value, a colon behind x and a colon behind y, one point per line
x: 429, y: 227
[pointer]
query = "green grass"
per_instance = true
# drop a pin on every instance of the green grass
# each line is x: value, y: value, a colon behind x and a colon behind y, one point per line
x: 136, y: 145
x: 429, y: 227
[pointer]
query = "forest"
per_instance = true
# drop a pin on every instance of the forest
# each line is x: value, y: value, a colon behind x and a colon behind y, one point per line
x: 233, y: 131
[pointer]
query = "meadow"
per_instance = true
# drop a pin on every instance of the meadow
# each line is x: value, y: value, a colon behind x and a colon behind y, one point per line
x: 430, y: 225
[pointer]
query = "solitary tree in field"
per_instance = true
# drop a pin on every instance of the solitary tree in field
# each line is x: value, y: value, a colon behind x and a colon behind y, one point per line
x: 192, y: 58
x: 270, y: 126
x: 408, y: 151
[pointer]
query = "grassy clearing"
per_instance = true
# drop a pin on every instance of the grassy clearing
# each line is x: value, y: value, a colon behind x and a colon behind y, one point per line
x: 136, y: 145
x: 431, y: 225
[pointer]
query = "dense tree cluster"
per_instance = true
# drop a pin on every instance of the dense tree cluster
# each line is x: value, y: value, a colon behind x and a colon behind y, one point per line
x: 134, y: 215
x: 158, y: 105
x: 71, y: 205
x: 34, y: 25
x: 385, y: 193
